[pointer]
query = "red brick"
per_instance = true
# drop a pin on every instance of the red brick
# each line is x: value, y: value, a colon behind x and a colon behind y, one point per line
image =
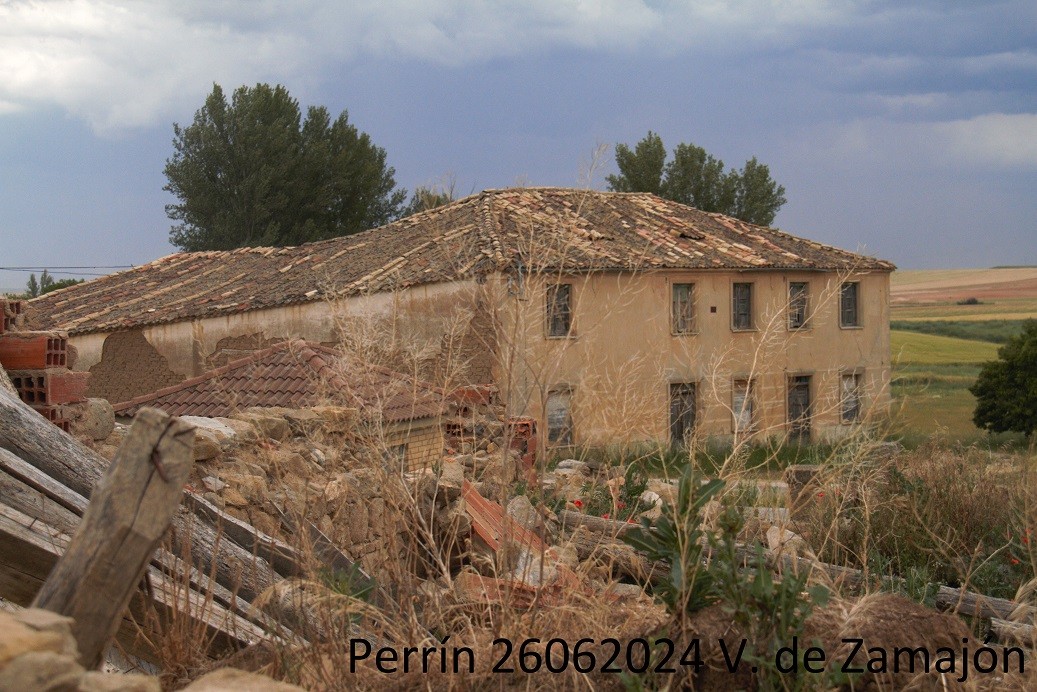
x: 33, y: 350
x: 55, y: 414
x: 50, y: 387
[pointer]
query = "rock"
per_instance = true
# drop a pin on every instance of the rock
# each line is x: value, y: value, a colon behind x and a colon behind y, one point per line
x: 287, y: 463
x: 41, y: 620
x: 241, y: 430
x: 94, y: 681
x: 213, y: 484
x: 337, y: 419
x: 319, y: 457
x: 524, y: 513
x: 16, y: 639
x: 574, y: 465
x: 624, y: 592
x: 492, y: 447
x: 233, y: 498
x: 264, y: 522
x: 252, y: 487
x: 302, y: 421
x: 206, y: 445
x: 233, y: 680
x: 96, y: 419
x: 221, y: 428
x: 650, y: 499
x: 267, y: 425
x: 43, y: 671
x: 782, y: 541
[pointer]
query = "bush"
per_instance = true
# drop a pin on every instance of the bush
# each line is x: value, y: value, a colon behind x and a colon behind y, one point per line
x: 1006, y: 389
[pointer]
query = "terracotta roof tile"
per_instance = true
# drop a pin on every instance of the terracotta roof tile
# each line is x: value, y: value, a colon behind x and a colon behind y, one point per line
x: 493, y: 231
x: 295, y: 374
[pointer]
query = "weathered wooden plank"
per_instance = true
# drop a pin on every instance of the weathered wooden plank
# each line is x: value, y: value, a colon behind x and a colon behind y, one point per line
x: 123, y: 524
x: 1014, y: 632
x: 30, y: 436
x: 978, y: 605
x: 284, y: 559
x: 69, y: 465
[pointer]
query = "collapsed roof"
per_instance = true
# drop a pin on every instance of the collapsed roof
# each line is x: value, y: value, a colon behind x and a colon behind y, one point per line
x: 494, y: 231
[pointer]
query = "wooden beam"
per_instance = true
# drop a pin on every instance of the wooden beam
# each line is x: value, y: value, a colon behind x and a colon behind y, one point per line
x: 127, y: 517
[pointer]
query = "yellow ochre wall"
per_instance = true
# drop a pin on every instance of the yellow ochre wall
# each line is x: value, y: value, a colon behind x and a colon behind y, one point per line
x: 622, y: 357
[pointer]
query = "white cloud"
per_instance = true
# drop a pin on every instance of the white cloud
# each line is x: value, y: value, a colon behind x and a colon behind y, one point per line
x: 992, y: 140
x: 124, y: 64
x: 996, y: 139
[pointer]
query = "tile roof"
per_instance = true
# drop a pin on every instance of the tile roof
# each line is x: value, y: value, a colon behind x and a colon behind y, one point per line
x: 295, y: 374
x: 496, y: 230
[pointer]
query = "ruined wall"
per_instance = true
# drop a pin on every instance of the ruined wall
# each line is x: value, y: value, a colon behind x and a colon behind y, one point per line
x: 423, y: 440
x: 129, y: 367
x: 418, y: 330
x: 622, y: 355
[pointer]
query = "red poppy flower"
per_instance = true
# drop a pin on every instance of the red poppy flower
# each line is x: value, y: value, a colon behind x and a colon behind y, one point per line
x: 1013, y: 561
x: 621, y: 505
x: 578, y: 503
x: 820, y: 495
x: 605, y: 515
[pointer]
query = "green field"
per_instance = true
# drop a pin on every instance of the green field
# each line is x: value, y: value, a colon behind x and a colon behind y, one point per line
x: 913, y: 348
x: 994, y: 331
x: 931, y: 377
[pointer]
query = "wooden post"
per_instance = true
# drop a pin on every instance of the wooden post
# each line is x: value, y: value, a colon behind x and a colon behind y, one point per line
x: 128, y: 514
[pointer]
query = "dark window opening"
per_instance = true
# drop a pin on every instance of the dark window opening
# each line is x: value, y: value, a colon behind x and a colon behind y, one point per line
x: 850, y: 387
x: 559, y: 310
x: 682, y: 413
x: 682, y: 309
x: 849, y: 313
x: 742, y: 306
x: 798, y: 302
x: 799, y: 408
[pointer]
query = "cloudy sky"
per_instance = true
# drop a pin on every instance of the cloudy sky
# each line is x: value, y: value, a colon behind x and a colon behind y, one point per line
x: 903, y: 128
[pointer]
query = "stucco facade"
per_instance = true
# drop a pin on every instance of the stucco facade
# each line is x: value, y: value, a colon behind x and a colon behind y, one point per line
x: 622, y: 359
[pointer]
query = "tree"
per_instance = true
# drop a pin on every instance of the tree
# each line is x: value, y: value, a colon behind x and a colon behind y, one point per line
x: 697, y: 178
x: 1006, y: 389
x: 254, y: 172
x: 46, y: 284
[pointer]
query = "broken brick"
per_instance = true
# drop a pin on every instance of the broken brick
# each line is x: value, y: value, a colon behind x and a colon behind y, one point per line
x: 33, y: 350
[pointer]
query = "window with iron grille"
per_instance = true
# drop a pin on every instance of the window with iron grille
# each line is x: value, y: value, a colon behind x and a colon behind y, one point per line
x: 559, y: 310
x: 849, y: 310
x: 742, y: 306
x: 799, y: 295
x: 850, y: 390
x: 682, y: 309
x: 682, y: 412
x: 559, y: 418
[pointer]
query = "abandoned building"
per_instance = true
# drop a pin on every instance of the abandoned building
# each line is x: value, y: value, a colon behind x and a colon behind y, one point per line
x: 608, y: 317
x: 402, y: 416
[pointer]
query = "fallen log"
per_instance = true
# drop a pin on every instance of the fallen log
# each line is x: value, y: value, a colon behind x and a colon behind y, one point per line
x: 621, y: 558
x: 978, y: 605
x: 1008, y: 632
x: 68, y: 463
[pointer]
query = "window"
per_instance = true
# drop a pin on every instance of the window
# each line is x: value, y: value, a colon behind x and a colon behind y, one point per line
x: 682, y: 309
x: 850, y: 394
x: 559, y: 418
x: 849, y: 315
x: 682, y: 412
x: 742, y: 306
x: 396, y: 453
x: 799, y: 408
x: 743, y: 406
x: 799, y: 294
x: 559, y: 310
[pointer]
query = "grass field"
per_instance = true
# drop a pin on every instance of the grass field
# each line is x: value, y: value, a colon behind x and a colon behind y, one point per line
x: 931, y: 400
x: 993, y: 331
x: 913, y: 348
